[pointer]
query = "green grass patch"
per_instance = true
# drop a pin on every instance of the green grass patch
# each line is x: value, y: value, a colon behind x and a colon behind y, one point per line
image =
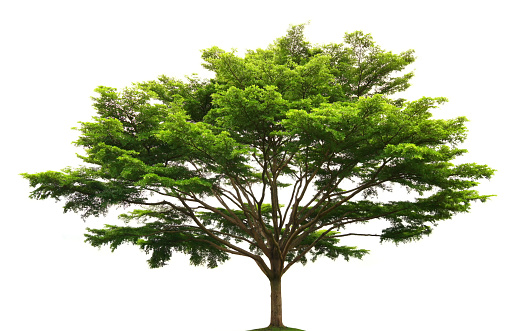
x: 276, y: 329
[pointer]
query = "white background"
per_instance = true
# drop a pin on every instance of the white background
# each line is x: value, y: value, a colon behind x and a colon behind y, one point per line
x: 465, y: 276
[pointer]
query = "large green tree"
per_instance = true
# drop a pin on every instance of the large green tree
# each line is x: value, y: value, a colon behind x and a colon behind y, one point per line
x: 277, y: 157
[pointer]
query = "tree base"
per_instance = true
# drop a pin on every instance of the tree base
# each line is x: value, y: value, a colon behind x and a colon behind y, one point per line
x: 275, y: 328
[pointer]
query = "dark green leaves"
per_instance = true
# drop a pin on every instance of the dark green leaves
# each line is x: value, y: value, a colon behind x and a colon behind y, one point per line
x: 161, y: 240
x: 82, y: 190
x: 326, y: 245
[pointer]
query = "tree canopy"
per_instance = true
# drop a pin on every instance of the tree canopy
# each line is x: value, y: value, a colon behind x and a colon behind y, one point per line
x: 275, y: 158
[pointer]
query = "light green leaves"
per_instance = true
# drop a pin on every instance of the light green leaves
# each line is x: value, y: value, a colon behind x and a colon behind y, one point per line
x: 248, y: 115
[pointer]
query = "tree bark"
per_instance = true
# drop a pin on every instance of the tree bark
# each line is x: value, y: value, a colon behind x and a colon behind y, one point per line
x: 276, y: 315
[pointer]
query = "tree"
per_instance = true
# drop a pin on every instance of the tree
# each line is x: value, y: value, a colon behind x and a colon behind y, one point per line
x: 275, y: 159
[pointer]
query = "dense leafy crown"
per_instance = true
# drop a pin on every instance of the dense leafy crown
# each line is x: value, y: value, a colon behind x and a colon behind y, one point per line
x: 278, y: 155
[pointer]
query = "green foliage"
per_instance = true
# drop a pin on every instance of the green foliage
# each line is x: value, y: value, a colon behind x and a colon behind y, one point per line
x: 278, y: 155
x: 161, y: 239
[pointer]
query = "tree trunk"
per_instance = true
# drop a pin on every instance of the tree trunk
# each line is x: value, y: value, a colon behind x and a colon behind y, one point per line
x: 276, y: 315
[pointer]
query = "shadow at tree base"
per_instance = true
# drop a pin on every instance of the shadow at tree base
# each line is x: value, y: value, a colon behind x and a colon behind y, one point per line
x: 277, y: 329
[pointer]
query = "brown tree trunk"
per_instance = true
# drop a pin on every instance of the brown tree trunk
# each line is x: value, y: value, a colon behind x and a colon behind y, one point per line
x: 276, y: 315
